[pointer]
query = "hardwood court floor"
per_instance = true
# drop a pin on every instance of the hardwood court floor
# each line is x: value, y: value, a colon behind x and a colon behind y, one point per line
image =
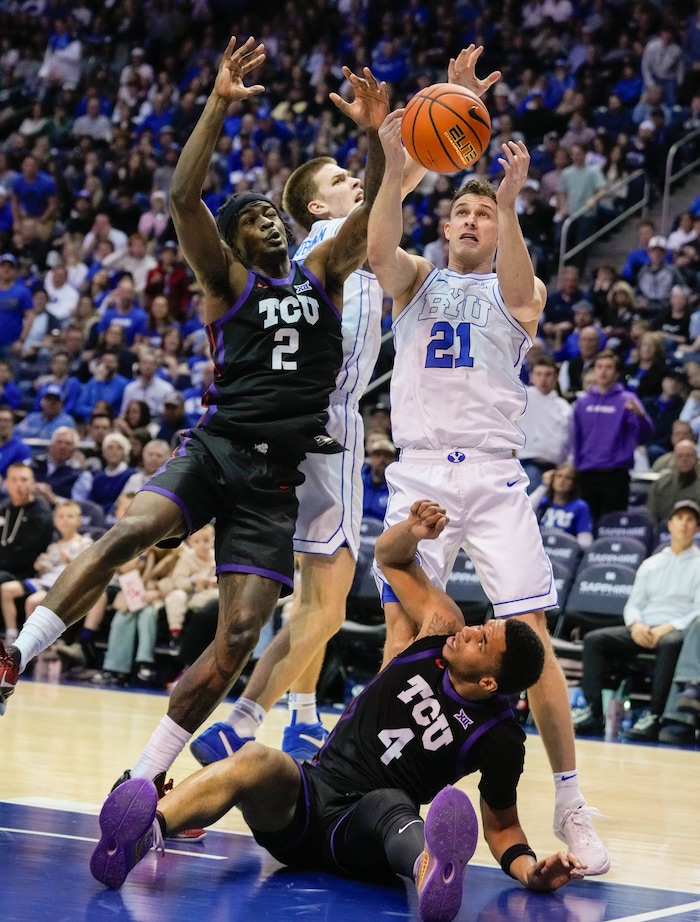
x: 64, y: 746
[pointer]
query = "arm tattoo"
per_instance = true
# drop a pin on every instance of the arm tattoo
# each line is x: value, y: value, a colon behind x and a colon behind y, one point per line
x: 439, y: 623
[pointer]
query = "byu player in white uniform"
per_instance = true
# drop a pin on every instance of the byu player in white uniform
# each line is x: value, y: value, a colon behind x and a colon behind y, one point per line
x: 319, y: 195
x: 460, y: 336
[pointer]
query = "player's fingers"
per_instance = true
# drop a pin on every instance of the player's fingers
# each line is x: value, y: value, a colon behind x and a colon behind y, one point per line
x: 370, y: 78
x: 229, y: 48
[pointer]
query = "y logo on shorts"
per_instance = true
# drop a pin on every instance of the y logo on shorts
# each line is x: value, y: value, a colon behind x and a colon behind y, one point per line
x: 456, y: 457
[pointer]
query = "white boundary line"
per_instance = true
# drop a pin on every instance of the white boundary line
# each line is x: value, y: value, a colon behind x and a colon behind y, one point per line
x: 659, y: 913
x: 59, y: 835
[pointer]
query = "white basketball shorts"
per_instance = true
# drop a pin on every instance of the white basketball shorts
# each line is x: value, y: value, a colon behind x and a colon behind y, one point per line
x: 490, y: 516
x: 330, y: 499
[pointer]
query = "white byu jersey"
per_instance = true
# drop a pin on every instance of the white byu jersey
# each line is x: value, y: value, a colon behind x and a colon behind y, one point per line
x: 362, y: 312
x: 456, y: 380
x: 330, y: 499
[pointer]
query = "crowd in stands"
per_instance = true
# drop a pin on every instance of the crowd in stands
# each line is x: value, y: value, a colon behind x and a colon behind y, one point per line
x: 103, y: 358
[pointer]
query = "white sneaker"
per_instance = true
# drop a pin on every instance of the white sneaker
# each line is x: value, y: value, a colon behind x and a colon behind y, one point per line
x: 575, y: 828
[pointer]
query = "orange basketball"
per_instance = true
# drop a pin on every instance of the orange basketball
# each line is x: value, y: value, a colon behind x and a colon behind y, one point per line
x: 445, y: 128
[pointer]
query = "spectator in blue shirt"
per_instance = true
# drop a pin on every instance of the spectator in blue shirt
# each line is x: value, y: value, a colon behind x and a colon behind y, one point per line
x: 35, y: 195
x: 41, y: 424
x: 10, y: 394
x: 630, y: 85
x: 6, y: 219
x: 60, y: 376
x: 15, y: 305
x: 375, y: 489
x: 12, y: 448
x: 121, y: 308
x: 557, y: 503
x: 639, y: 256
x: 105, y: 384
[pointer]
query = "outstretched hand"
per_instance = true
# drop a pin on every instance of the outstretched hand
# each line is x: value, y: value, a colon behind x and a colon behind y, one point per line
x: 235, y: 65
x: 554, y: 872
x: 390, y: 138
x: 370, y: 104
x: 462, y: 70
x: 427, y: 519
x: 515, y: 162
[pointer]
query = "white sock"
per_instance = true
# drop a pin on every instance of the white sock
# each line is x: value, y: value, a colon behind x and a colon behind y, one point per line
x: 165, y: 745
x: 40, y: 630
x: 245, y: 717
x: 567, y: 794
x: 302, y: 709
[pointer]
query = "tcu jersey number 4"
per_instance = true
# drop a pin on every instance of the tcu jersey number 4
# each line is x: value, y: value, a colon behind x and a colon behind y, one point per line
x: 426, y: 713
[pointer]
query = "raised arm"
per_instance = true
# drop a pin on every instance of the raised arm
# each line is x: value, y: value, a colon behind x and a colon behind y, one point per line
x: 427, y: 606
x: 523, y: 293
x: 396, y: 270
x: 347, y: 250
x: 196, y: 227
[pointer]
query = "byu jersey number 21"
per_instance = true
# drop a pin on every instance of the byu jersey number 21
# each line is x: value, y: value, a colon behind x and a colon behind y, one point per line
x: 457, y: 382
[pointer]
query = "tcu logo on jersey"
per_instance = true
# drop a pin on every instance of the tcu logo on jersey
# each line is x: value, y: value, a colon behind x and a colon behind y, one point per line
x: 455, y: 304
x: 425, y: 712
x: 289, y: 310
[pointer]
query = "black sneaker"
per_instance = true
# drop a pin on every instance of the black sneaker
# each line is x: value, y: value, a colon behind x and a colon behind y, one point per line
x: 588, y: 723
x: 677, y: 734
x: 645, y: 730
x: 689, y: 700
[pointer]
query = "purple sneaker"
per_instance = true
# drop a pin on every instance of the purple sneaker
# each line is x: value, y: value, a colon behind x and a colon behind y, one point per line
x: 129, y: 829
x: 451, y: 832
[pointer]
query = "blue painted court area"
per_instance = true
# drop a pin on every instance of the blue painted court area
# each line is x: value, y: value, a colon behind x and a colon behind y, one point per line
x: 44, y: 875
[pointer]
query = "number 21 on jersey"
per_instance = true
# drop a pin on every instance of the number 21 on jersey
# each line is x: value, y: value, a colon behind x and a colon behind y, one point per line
x: 441, y: 353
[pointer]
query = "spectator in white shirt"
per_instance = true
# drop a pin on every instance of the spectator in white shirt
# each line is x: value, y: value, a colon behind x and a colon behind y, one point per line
x: 63, y: 297
x: 545, y: 423
x: 134, y: 259
x: 147, y: 387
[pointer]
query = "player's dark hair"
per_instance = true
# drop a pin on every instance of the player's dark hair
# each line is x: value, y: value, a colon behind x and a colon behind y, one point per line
x: 300, y: 189
x: 523, y: 660
x: 475, y: 187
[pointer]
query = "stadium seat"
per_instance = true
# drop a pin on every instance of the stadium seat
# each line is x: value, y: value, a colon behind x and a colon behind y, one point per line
x: 561, y: 547
x: 628, y: 524
x: 613, y: 550
x: 464, y: 588
x: 597, y: 598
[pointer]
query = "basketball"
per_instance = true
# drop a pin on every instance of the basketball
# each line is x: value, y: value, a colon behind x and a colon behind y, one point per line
x: 445, y: 128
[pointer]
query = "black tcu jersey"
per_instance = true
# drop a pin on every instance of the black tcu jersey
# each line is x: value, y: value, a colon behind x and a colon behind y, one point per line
x: 410, y: 730
x: 276, y: 352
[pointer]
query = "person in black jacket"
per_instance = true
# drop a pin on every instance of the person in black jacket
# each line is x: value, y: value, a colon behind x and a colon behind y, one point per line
x: 26, y: 530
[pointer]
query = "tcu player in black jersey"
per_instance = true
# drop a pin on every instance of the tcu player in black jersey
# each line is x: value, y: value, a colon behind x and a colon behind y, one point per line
x: 275, y: 336
x: 436, y: 713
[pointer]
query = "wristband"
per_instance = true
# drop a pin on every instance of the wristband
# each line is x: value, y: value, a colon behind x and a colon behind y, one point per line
x: 515, y: 851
